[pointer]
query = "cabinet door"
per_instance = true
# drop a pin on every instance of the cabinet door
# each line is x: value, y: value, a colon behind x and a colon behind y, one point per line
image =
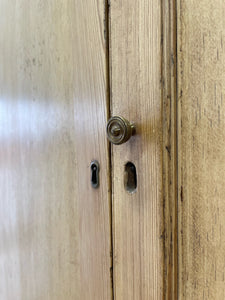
x: 166, y: 71
x: 54, y: 227
x: 142, y: 92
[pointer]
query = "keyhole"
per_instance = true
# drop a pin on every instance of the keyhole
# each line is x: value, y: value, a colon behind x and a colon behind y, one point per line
x: 95, y: 174
x: 130, y: 177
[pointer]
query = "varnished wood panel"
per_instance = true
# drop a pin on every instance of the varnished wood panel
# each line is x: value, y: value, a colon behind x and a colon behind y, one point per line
x: 135, y: 68
x: 54, y: 228
x: 201, y: 143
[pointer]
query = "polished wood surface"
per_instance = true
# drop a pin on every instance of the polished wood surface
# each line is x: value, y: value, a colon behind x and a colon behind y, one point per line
x: 201, y: 143
x: 135, y: 53
x: 54, y: 228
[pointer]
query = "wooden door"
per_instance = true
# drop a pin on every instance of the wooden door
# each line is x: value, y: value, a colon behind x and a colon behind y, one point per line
x: 136, y: 95
x: 55, y: 234
x: 61, y: 62
x: 65, y: 68
x: 143, y: 90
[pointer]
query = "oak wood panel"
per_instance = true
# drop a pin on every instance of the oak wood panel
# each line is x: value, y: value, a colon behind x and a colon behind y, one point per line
x: 54, y: 228
x: 201, y: 143
x: 135, y: 68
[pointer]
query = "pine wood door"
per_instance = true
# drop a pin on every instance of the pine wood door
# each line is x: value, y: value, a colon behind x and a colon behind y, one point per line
x: 61, y: 63
x: 135, y: 54
x: 55, y: 233
x: 65, y: 68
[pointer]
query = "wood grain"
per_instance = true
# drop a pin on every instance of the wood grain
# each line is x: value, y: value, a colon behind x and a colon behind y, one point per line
x: 169, y: 89
x: 135, y: 53
x: 54, y: 228
x: 201, y: 143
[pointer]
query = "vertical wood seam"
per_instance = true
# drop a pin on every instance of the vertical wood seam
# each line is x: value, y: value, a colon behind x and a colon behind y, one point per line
x: 108, y: 97
x: 169, y: 99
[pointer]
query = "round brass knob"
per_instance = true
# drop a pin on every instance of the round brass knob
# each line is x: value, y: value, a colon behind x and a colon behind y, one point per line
x: 119, y: 130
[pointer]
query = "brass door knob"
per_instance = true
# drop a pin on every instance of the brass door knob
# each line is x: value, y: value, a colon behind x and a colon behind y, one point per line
x: 119, y: 130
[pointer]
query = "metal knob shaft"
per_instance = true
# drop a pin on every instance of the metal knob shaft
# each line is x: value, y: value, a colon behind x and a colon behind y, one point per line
x: 119, y: 130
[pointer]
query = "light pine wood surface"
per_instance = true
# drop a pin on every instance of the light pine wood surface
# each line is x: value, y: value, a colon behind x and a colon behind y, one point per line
x: 54, y: 228
x: 135, y: 70
x: 201, y: 144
